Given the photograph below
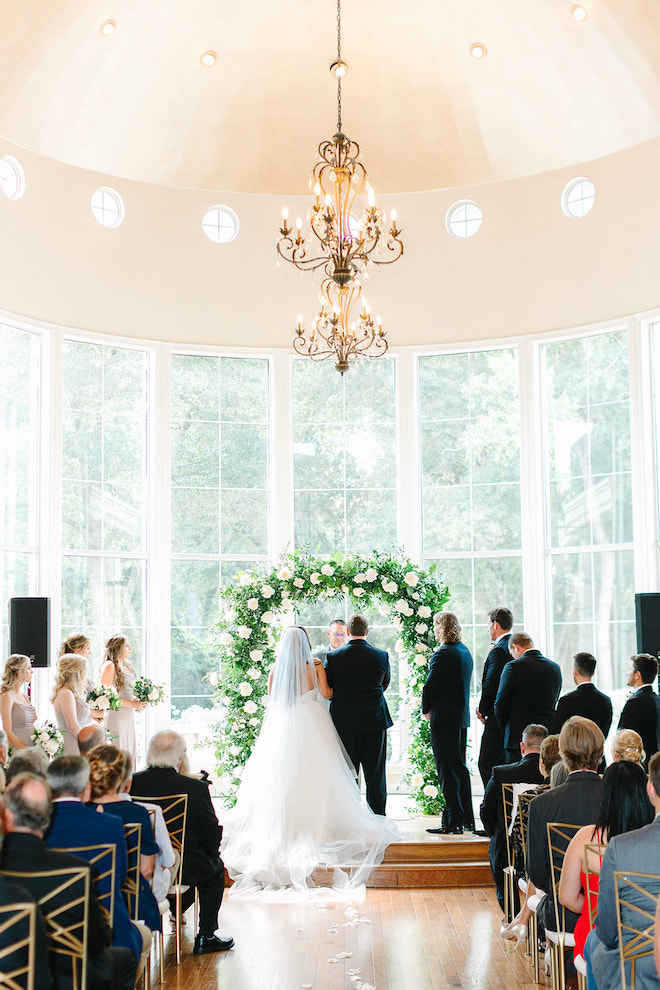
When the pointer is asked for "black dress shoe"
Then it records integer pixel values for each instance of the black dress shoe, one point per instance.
(478, 831)
(446, 831)
(212, 943)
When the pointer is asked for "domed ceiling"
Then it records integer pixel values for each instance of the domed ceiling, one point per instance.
(139, 104)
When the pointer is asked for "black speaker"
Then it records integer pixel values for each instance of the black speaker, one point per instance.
(647, 614)
(29, 629)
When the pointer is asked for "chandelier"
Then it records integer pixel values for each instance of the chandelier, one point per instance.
(343, 245)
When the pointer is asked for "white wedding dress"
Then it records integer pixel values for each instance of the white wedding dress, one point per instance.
(298, 805)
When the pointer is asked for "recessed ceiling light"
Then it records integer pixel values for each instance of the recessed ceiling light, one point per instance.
(108, 28)
(339, 69)
(477, 50)
(578, 12)
(209, 58)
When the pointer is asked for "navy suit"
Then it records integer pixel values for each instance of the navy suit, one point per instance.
(587, 701)
(359, 675)
(73, 825)
(446, 696)
(642, 713)
(491, 751)
(528, 693)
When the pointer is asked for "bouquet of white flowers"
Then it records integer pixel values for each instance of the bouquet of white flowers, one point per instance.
(102, 697)
(145, 690)
(49, 738)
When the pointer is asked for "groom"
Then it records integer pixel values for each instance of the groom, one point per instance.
(358, 675)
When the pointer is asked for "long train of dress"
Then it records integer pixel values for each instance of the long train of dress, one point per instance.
(298, 808)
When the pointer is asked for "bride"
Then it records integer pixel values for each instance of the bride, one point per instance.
(298, 805)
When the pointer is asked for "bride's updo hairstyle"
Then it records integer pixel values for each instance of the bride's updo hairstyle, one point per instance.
(107, 767)
(290, 674)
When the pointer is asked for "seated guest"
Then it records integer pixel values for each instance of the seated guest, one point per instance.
(202, 867)
(106, 771)
(627, 745)
(639, 852)
(73, 825)
(32, 760)
(577, 802)
(26, 809)
(526, 771)
(89, 737)
(625, 807)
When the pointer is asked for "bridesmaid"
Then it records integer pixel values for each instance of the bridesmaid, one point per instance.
(117, 671)
(18, 714)
(69, 699)
(76, 643)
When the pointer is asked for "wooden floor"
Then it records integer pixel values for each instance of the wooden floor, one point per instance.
(405, 939)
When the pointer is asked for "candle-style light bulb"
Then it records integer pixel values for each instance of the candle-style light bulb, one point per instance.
(285, 213)
(299, 223)
(393, 216)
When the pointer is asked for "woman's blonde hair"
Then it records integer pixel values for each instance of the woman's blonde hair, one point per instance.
(14, 665)
(106, 770)
(448, 626)
(627, 744)
(112, 652)
(73, 644)
(71, 672)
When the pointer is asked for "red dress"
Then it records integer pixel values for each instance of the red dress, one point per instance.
(582, 927)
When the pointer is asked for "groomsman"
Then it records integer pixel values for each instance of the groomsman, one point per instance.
(359, 675)
(491, 752)
(528, 692)
(641, 712)
(586, 700)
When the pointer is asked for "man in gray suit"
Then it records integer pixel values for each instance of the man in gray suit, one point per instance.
(638, 851)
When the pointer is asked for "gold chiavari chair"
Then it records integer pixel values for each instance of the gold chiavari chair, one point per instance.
(131, 886)
(67, 938)
(18, 925)
(175, 811)
(509, 870)
(104, 857)
(524, 800)
(636, 903)
(559, 836)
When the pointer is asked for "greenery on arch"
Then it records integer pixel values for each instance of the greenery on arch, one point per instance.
(255, 608)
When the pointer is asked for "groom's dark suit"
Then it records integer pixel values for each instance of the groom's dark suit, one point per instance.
(358, 675)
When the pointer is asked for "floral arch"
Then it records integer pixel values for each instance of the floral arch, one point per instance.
(256, 604)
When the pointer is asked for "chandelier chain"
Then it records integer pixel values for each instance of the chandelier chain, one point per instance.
(339, 61)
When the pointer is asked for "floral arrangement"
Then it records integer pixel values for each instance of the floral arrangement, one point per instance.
(49, 738)
(250, 627)
(145, 690)
(104, 698)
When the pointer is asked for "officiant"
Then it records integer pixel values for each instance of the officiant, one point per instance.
(336, 633)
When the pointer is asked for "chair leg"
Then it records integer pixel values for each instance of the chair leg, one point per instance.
(161, 956)
(178, 924)
(533, 936)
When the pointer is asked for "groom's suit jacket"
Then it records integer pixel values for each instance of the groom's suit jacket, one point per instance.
(359, 674)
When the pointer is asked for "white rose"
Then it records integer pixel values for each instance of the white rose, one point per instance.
(431, 790)
(155, 694)
(230, 615)
(256, 656)
(253, 603)
(284, 574)
(245, 689)
(417, 780)
(213, 679)
(250, 708)
(398, 646)
(412, 579)
(372, 574)
(398, 621)
(391, 587)
(315, 578)
(358, 591)
(328, 570)
(299, 583)
(384, 583)
(416, 595)
(267, 591)
(102, 702)
(421, 628)
(234, 750)
(244, 632)
(52, 747)
(383, 610)
(401, 605)
(330, 593)
(253, 722)
(408, 611)
(245, 580)
(254, 673)
(360, 578)
(420, 659)
(226, 639)
(267, 617)
(421, 647)
(424, 612)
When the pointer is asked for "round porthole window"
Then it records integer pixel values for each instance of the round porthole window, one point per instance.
(578, 198)
(463, 219)
(12, 177)
(108, 207)
(220, 224)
